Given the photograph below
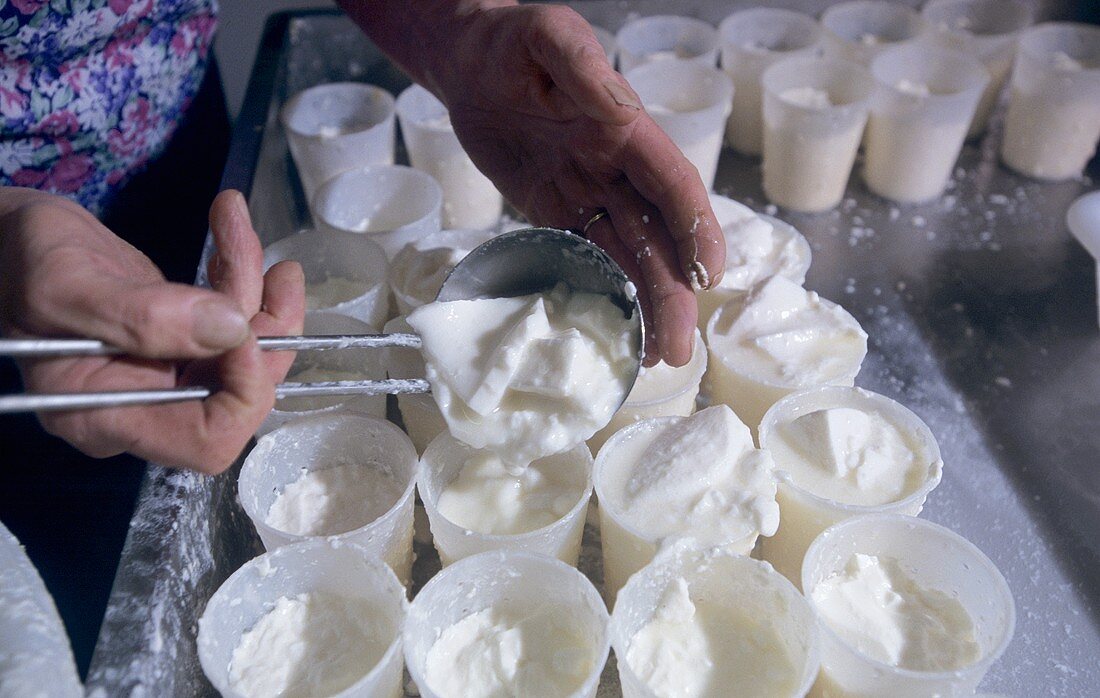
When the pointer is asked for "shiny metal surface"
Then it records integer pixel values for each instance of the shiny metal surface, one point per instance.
(981, 315)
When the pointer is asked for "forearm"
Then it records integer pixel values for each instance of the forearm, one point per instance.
(418, 35)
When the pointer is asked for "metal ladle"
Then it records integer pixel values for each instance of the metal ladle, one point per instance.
(513, 264)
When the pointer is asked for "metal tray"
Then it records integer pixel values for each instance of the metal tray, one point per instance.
(981, 316)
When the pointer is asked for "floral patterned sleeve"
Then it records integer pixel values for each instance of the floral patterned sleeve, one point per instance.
(91, 90)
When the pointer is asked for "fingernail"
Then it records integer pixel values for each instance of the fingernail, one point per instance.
(622, 95)
(240, 203)
(218, 325)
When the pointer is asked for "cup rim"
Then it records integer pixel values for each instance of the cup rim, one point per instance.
(842, 9)
(288, 106)
(755, 15)
(1029, 35)
(689, 385)
(443, 440)
(259, 519)
(855, 70)
(316, 544)
(828, 394)
(929, 529)
(377, 265)
(973, 71)
(707, 31)
(1021, 12)
(720, 96)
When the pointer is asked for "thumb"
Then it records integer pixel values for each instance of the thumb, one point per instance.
(154, 320)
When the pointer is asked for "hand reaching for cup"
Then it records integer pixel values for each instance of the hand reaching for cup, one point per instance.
(538, 108)
(65, 274)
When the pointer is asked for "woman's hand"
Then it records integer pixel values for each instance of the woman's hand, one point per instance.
(541, 112)
(63, 274)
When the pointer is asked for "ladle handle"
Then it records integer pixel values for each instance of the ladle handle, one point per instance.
(34, 347)
(123, 398)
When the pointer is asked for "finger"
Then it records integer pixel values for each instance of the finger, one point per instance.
(568, 50)
(283, 313)
(153, 320)
(662, 175)
(640, 228)
(206, 436)
(236, 268)
(603, 234)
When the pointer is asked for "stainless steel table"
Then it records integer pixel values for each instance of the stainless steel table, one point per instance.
(981, 315)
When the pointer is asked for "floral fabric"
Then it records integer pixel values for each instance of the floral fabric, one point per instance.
(91, 90)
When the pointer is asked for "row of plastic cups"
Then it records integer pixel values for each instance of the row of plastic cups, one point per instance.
(790, 641)
(337, 127)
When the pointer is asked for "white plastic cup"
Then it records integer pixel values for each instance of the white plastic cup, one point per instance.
(803, 515)
(752, 40)
(725, 580)
(328, 566)
(420, 268)
(860, 30)
(936, 558)
(336, 127)
(325, 254)
(625, 548)
(666, 37)
(608, 42)
(661, 391)
(986, 30)
(314, 443)
(1053, 120)
(441, 463)
(913, 141)
(365, 363)
(510, 580)
(470, 200)
(392, 205)
(691, 103)
(808, 153)
(419, 412)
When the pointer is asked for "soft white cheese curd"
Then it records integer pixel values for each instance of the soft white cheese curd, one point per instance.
(489, 497)
(333, 291)
(668, 478)
(333, 500)
(757, 247)
(311, 645)
(504, 652)
(849, 455)
(875, 606)
(807, 97)
(420, 268)
(774, 339)
(528, 376)
(702, 648)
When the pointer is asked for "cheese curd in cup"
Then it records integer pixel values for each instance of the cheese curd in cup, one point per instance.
(419, 269)
(476, 503)
(314, 618)
(507, 623)
(906, 608)
(681, 477)
(527, 376)
(342, 476)
(775, 339)
(659, 391)
(345, 274)
(698, 622)
(757, 246)
(841, 452)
